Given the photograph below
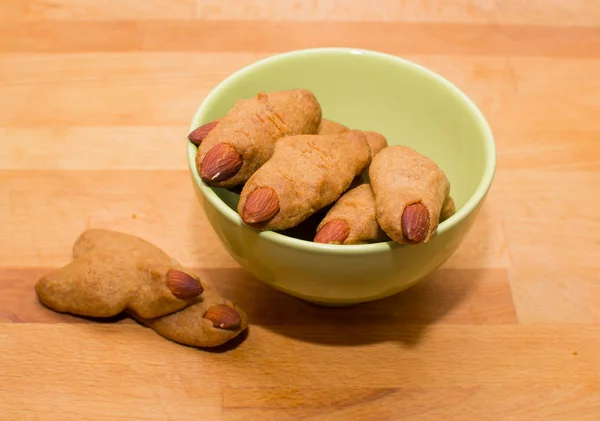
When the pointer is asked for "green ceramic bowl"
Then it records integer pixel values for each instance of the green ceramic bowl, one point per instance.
(365, 90)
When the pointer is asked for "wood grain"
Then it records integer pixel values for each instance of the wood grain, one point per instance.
(38, 207)
(74, 90)
(534, 12)
(42, 10)
(95, 104)
(462, 291)
(268, 36)
(481, 402)
(162, 147)
(554, 368)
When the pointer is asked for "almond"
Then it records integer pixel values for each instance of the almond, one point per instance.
(198, 135)
(223, 317)
(182, 285)
(261, 205)
(333, 232)
(415, 222)
(220, 163)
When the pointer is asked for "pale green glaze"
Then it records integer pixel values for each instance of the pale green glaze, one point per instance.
(366, 90)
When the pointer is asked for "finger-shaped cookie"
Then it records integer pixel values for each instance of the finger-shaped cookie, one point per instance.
(305, 174)
(112, 272)
(331, 127)
(376, 142)
(351, 220)
(211, 321)
(448, 209)
(244, 138)
(409, 191)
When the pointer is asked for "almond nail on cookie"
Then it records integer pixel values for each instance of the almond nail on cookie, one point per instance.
(305, 174)
(351, 220)
(244, 139)
(210, 321)
(409, 190)
(197, 135)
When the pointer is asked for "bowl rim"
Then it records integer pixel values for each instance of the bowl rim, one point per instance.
(355, 249)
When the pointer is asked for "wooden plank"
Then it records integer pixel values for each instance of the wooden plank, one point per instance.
(548, 150)
(517, 402)
(547, 292)
(485, 246)
(552, 231)
(43, 10)
(290, 357)
(523, 98)
(452, 296)
(111, 70)
(545, 227)
(536, 12)
(109, 90)
(553, 245)
(158, 379)
(93, 148)
(101, 372)
(45, 234)
(45, 211)
(162, 147)
(212, 36)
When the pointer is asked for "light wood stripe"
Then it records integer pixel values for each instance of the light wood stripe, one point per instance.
(101, 372)
(69, 10)
(539, 12)
(237, 36)
(536, 12)
(93, 148)
(140, 69)
(546, 290)
(163, 147)
(553, 150)
(160, 205)
(545, 227)
(113, 90)
(113, 198)
(446, 356)
(110, 89)
(63, 203)
(488, 402)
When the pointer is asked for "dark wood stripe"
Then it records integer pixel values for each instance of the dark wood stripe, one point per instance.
(450, 296)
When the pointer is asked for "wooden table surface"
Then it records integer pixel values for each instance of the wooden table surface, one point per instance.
(95, 102)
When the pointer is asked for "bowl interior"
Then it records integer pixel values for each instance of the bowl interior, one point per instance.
(365, 90)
